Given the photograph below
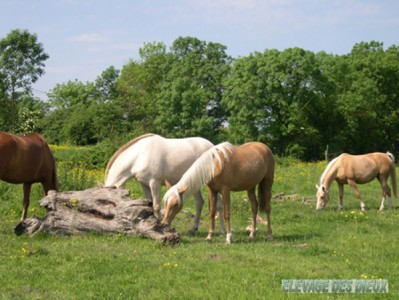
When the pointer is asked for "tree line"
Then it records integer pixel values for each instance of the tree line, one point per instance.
(294, 100)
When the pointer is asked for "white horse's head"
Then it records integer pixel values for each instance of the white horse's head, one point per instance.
(173, 201)
(323, 196)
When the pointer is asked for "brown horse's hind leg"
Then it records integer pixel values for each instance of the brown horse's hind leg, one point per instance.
(357, 194)
(254, 208)
(26, 187)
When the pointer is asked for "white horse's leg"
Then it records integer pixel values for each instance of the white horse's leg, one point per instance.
(199, 203)
(155, 187)
(147, 191)
(219, 208)
(341, 196)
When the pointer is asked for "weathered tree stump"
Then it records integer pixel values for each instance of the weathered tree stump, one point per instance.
(98, 210)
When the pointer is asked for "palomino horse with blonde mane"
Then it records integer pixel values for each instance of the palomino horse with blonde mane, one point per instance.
(226, 168)
(353, 169)
(27, 160)
(154, 160)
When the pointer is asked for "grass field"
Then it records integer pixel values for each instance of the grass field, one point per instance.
(330, 244)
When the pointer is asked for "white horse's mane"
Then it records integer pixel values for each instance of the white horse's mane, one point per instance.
(202, 170)
(122, 149)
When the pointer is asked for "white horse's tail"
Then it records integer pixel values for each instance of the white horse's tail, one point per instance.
(393, 173)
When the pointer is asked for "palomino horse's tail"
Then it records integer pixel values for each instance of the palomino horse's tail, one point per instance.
(264, 194)
(393, 173)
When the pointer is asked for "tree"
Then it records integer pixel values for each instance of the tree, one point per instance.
(85, 113)
(138, 85)
(105, 85)
(107, 121)
(68, 121)
(189, 99)
(368, 100)
(31, 112)
(72, 94)
(21, 64)
(53, 125)
(273, 97)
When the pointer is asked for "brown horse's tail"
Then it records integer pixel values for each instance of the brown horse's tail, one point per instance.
(52, 182)
(393, 173)
(54, 177)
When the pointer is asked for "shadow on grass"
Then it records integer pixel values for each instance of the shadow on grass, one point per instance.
(242, 237)
(296, 237)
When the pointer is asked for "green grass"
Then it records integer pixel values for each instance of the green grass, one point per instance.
(330, 244)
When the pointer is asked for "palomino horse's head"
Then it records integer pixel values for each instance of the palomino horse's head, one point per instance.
(173, 200)
(323, 196)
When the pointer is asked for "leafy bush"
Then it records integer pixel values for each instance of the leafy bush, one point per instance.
(91, 157)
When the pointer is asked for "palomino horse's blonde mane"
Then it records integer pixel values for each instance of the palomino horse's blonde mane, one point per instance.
(202, 170)
(123, 148)
(327, 170)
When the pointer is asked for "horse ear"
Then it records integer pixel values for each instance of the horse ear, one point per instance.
(168, 185)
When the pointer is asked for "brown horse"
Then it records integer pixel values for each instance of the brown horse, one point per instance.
(27, 160)
(226, 168)
(353, 169)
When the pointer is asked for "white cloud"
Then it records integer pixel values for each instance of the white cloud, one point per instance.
(64, 70)
(88, 38)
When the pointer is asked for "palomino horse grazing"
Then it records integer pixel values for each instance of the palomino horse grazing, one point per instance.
(226, 168)
(27, 160)
(153, 160)
(352, 169)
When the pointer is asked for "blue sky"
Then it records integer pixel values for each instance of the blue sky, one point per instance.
(85, 37)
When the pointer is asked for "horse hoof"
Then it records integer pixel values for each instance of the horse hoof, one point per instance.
(229, 238)
(20, 228)
(191, 232)
(209, 238)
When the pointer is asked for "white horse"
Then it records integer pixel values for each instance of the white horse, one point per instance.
(154, 160)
